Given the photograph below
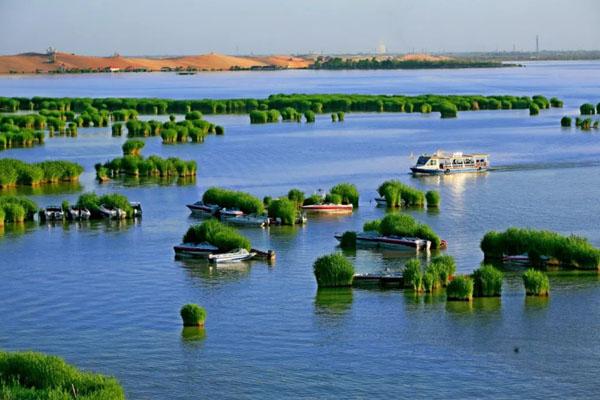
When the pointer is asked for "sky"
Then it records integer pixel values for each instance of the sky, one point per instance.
(174, 27)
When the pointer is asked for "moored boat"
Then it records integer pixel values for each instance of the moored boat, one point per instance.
(391, 242)
(199, 208)
(235, 217)
(447, 163)
(328, 208)
(137, 208)
(232, 256)
(52, 213)
(381, 201)
(112, 212)
(75, 213)
(202, 250)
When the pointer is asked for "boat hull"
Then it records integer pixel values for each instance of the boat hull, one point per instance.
(328, 208)
(391, 242)
(427, 171)
(190, 250)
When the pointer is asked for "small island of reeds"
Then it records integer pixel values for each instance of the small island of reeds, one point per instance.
(333, 270)
(232, 199)
(403, 225)
(542, 247)
(133, 164)
(16, 209)
(211, 231)
(16, 172)
(111, 201)
(28, 375)
(398, 194)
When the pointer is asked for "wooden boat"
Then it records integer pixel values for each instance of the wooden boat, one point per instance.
(232, 256)
(328, 208)
(202, 250)
(392, 242)
(52, 213)
(199, 208)
(445, 163)
(78, 214)
(112, 213)
(235, 218)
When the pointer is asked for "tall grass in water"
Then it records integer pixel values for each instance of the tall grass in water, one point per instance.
(133, 147)
(92, 202)
(412, 275)
(433, 199)
(460, 288)
(16, 172)
(283, 209)
(30, 375)
(17, 209)
(212, 231)
(348, 193)
(348, 240)
(333, 270)
(487, 281)
(404, 225)
(397, 194)
(570, 251)
(233, 199)
(536, 283)
(193, 315)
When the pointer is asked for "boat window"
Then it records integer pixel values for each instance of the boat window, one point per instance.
(422, 160)
(433, 162)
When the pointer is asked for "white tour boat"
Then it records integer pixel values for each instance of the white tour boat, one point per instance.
(446, 163)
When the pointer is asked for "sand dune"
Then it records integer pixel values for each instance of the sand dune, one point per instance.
(36, 62)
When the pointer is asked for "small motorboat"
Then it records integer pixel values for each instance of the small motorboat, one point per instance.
(390, 242)
(75, 213)
(381, 201)
(244, 219)
(199, 208)
(328, 208)
(202, 250)
(112, 213)
(137, 208)
(52, 213)
(232, 256)
(230, 213)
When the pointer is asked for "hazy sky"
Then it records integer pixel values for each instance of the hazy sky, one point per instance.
(159, 27)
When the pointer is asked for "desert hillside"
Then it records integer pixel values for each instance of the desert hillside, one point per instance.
(44, 63)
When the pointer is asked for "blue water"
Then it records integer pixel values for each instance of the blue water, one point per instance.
(106, 296)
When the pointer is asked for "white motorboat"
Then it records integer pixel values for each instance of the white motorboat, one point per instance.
(245, 219)
(199, 208)
(113, 213)
(391, 242)
(232, 256)
(52, 213)
(76, 213)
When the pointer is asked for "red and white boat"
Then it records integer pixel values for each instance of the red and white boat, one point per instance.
(202, 250)
(203, 209)
(391, 242)
(329, 208)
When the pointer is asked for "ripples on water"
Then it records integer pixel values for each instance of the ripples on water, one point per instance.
(107, 296)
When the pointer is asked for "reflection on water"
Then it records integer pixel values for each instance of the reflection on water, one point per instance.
(459, 307)
(128, 181)
(46, 189)
(533, 303)
(332, 301)
(193, 333)
(201, 269)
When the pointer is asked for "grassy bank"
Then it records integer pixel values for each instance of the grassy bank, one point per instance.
(15, 172)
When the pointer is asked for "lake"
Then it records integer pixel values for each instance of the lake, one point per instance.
(106, 296)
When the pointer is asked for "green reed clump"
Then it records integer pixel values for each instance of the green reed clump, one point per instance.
(258, 117)
(487, 281)
(536, 283)
(117, 129)
(309, 116)
(460, 288)
(284, 210)
(212, 231)
(371, 226)
(92, 202)
(333, 270)
(193, 115)
(565, 122)
(555, 102)
(334, 117)
(405, 225)
(17, 209)
(445, 266)
(433, 198)
(193, 315)
(133, 147)
(448, 110)
(412, 275)
(28, 375)
(587, 109)
(232, 199)
(296, 195)
(153, 166)
(398, 194)
(340, 116)
(539, 245)
(534, 109)
(348, 192)
(219, 130)
(348, 240)
(12, 135)
(15, 172)
(290, 114)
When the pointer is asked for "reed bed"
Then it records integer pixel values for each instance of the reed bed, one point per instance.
(398, 194)
(232, 199)
(93, 201)
(28, 375)
(333, 270)
(193, 315)
(15, 172)
(460, 288)
(536, 283)
(487, 281)
(542, 246)
(403, 225)
(212, 231)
